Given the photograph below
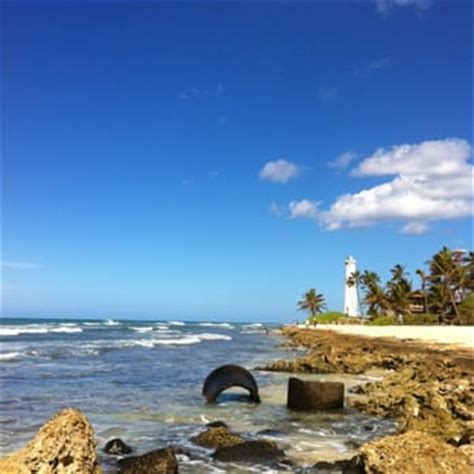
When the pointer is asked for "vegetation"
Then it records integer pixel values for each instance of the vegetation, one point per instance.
(445, 294)
(382, 321)
(312, 303)
(327, 317)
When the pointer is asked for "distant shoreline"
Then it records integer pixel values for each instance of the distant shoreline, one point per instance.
(452, 335)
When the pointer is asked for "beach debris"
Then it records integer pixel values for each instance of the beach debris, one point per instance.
(312, 395)
(65, 444)
(159, 461)
(414, 452)
(216, 437)
(228, 376)
(117, 447)
(257, 451)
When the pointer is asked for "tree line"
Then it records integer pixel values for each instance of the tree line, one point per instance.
(446, 292)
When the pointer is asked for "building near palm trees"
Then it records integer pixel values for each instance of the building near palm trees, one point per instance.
(351, 301)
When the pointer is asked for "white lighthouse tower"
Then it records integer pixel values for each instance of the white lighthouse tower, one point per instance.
(351, 304)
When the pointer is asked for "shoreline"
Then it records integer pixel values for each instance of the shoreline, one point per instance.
(462, 336)
(427, 387)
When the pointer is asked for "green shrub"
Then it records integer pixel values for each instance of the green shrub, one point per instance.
(382, 321)
(421, 319)
(326, 318)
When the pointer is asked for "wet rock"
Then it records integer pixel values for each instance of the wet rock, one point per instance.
(270, 432)
(414, 452)
(250, 451)
(65, 444)
(217, 424)
(159, 461)
(217, 437)
(344, 466)
(117, 447)
(227, 376)
(310, 395)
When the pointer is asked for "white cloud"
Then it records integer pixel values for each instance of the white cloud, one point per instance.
(384, 6)
(327, 94)
(415, 228)
(303, 208)
(343, 161)
(433, 180)
(20, 265)
(280, 171)
(430, 158)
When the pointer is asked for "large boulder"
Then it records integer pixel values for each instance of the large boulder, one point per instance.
(260, 451)
(159, 461)
(414, 452)
(310, 395)
(64, 445)
(217, 437)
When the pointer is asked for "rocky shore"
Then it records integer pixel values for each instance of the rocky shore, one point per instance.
(428, 389)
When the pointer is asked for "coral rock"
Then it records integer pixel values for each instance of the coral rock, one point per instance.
(64, 445)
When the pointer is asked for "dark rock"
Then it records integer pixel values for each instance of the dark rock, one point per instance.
(306, 395)
(117, 447)
(227, 376)
(344, 466)
(159, 461)
(217, 437)
(217, 424)
(467, 437)
(250, 451)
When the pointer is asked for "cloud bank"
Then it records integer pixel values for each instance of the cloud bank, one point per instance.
(431, 181)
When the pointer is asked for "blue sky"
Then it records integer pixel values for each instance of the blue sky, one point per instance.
(215, 160)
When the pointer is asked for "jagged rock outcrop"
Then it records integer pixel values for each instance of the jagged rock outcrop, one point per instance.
(217, 437)
(414, 452)
(64, 445)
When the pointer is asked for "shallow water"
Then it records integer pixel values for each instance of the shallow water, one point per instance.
(142, 381)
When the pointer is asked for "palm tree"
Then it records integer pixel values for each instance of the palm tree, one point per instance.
(312, 302)
(399, 291)
(446, 275)
(375, 297)
(424, 278)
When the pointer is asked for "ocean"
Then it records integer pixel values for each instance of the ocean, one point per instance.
(142, 381)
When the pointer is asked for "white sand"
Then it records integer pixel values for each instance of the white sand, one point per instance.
(459, 335)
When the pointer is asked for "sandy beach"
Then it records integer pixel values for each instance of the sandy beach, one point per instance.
(457, 335)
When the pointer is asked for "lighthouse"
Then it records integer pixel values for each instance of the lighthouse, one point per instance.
(351, 304)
